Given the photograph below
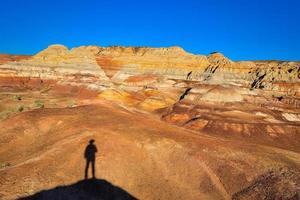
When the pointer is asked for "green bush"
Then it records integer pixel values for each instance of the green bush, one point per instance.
(21, 108)
(71, 103)
(39, 104)
(3, 165)
(18, 97)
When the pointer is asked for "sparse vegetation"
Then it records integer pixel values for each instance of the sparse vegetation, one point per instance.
(71, 103)
(10, 111)
(46, 89)
(3, 165)
(21, 108)
(39, 103)
(18, 97)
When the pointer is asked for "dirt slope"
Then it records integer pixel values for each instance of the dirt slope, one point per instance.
(149, 160)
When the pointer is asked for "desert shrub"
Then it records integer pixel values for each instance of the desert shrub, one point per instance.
(71, 103)
(46, 89)
(39, 104)
(21, 108)
(3, 165)
(18, 97)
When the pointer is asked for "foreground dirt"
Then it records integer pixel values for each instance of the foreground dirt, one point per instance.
(149, 160)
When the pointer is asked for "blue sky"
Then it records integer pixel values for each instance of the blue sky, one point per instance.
(240, 29)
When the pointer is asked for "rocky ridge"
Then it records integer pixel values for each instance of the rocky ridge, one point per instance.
(116, 64)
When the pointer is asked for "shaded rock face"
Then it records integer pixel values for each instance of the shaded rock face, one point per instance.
(167, 125)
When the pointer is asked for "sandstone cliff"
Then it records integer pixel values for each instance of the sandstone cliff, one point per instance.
(117, 64)
(75, 66)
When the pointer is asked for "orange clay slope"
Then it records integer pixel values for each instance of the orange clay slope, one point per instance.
(144, 156)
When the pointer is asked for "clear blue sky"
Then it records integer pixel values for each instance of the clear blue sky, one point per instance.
(240, 29)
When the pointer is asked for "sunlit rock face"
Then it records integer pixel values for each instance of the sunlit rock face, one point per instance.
(5, 58)
(164, 79)
(168, 124)
(76, 66)
(100, 66)
(174, 63)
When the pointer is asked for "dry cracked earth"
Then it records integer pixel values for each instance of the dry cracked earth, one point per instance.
(167, 125)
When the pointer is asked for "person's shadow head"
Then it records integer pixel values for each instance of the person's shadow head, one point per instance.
(90, 156)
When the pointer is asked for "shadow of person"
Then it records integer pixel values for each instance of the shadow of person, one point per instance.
(90, 156)
(92, 189)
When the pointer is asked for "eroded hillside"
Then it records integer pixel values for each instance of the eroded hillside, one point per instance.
(168, 124)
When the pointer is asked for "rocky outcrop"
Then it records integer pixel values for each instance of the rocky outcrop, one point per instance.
(100, 66)
(76, 66)
(237, 113)
(123, 62)
(5, 58)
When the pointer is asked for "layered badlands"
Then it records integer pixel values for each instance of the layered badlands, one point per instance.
(168, 124)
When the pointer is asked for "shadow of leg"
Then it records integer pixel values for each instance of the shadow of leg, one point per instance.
(93, 168)
(86, 169)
